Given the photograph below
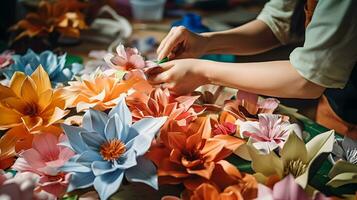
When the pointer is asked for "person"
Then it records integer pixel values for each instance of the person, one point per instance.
(324, 67)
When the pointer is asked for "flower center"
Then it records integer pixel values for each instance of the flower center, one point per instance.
(295, 167)
(31, 110)
(112, 150)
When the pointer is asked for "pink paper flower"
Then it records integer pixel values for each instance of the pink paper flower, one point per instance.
(44, 159)
(6, 59)
(286, 189)
(269, 133)
(125, 59)
(247, 106)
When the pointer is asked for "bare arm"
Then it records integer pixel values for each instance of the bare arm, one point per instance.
(276, 78)
(251, 38)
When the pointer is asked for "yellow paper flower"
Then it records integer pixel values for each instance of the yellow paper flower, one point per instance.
(101, 92)
(31, 102)
(295, 158)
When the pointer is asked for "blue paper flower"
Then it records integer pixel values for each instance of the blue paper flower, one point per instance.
(109, 147)
(54, 65)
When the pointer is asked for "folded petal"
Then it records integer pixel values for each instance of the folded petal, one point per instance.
(94, 120)
(122, 111)
(93, 140)
(144, 172)
(107, 184)
(74, 138)
(102, 167)
(80, 180)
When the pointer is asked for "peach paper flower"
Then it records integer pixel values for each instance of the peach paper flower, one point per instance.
(101, 92)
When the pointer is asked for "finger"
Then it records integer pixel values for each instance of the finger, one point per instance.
(159, 78)
(172, 42)
(163, 42)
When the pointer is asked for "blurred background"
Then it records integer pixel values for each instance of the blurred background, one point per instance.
(90, 28)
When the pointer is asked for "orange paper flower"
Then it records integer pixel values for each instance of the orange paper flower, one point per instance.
(186, 157)
(62, 16)
(7, 151)
(101, 92)
(31, 102)
(161, 103)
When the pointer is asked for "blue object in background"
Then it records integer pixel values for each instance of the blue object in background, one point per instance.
(193, 22)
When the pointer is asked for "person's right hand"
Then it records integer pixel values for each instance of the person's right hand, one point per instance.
(182, 43)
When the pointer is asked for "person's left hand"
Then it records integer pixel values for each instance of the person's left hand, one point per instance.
(179, 76)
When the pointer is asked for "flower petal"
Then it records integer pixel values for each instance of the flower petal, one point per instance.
(289, 152)
(95, 121)
(93, 140)
(122, 111)
(144, 172)
(75, 167)
(80, 180)
(102, 167)
(74, 138)
(107, 184)
(289, 189)
(41, 79)
(147, 129)
(114, 129)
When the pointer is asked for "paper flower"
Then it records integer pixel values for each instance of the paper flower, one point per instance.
(63, 17)
(295, 157)
(130, 60)
(125, 59)
(7, 151)
(224, 125)
(109, 147)
(44, 159)
(212, 97)
(286, 189)
(247, 106)
(269, 133)
(55, 66)
(160, 103)
(344, 149)
(188, 158)
(101, 92)
(30, 101)
(6, 59)
(344, 159)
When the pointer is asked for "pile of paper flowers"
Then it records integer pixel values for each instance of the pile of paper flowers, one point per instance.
(65, 134)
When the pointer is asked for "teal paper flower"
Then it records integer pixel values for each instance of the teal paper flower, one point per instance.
(109, 147)
(55, 66)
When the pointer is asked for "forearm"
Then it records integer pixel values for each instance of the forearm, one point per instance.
(251, 38)
(277, 78)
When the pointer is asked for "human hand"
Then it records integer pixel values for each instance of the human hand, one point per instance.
(182, 43)
(179, 76)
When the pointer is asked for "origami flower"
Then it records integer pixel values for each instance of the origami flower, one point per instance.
(6, 59)
(269, 133)
(63, 17)
(30, 101)
(188, 158)
(247, 106)
(344, 159)
(160, 103)
(7, 151)
(295, 158)
(286, 189)
(44, 159)
(109, 147)
(212, 97)
(224, 125)
(100, 92)
(130, 60)
(55, 66)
